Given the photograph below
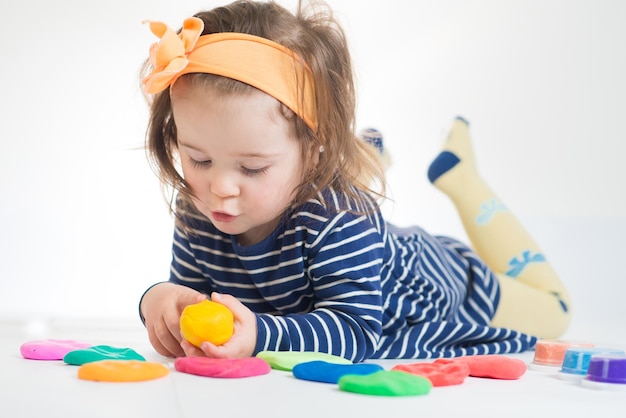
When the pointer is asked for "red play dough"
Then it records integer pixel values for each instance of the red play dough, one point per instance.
(440, 373)
(226, 367)
(494, 366)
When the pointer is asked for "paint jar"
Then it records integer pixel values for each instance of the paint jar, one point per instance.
(549, 354)
(606, 372)
(576, 361)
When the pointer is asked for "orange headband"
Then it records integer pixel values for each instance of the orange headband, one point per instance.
(256, 61)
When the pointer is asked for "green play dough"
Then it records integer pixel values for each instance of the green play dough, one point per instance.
(386, 383)
(286, 360)
(101, 352)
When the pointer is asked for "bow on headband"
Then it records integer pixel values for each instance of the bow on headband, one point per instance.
(253, 60)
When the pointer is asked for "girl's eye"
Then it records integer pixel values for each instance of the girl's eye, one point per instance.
(253, 171)
(199, 164)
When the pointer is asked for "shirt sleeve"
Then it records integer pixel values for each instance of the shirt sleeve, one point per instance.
(344, 265)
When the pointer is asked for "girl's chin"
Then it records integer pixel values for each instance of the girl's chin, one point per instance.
(226, 228)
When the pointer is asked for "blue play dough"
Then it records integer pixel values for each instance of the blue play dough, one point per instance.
(325, 372)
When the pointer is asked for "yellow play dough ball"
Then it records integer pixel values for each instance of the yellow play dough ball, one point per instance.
(206, 321)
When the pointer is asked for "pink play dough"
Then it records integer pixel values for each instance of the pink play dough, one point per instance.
(226, 367)
(50, 349)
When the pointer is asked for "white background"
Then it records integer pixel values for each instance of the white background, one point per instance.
(83, 225)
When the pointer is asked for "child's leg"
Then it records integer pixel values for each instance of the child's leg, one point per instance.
(533, 299)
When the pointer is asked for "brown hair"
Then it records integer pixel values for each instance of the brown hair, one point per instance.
(346, 162)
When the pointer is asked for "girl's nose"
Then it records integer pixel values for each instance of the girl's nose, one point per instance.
(223, 184)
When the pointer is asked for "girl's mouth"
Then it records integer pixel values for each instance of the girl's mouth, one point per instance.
(223, 217)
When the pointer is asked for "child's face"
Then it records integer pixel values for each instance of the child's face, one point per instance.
(238, 157)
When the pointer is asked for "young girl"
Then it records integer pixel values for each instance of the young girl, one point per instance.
(252, 125)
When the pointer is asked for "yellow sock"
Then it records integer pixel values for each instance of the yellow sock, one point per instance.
(533, 299)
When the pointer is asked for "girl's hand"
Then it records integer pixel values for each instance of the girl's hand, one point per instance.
(161, 307)
(243, 341)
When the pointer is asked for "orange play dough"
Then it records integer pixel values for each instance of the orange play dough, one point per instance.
(207, 321)
(121, 371)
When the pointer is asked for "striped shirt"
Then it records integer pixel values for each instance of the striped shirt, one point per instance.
(334, 277)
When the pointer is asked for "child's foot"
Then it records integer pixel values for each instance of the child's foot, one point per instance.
(456, 162)
(375, 138)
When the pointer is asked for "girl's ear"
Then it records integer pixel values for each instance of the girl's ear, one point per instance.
(313, 156)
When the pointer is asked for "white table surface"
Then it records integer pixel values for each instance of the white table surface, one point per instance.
(31, 388)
